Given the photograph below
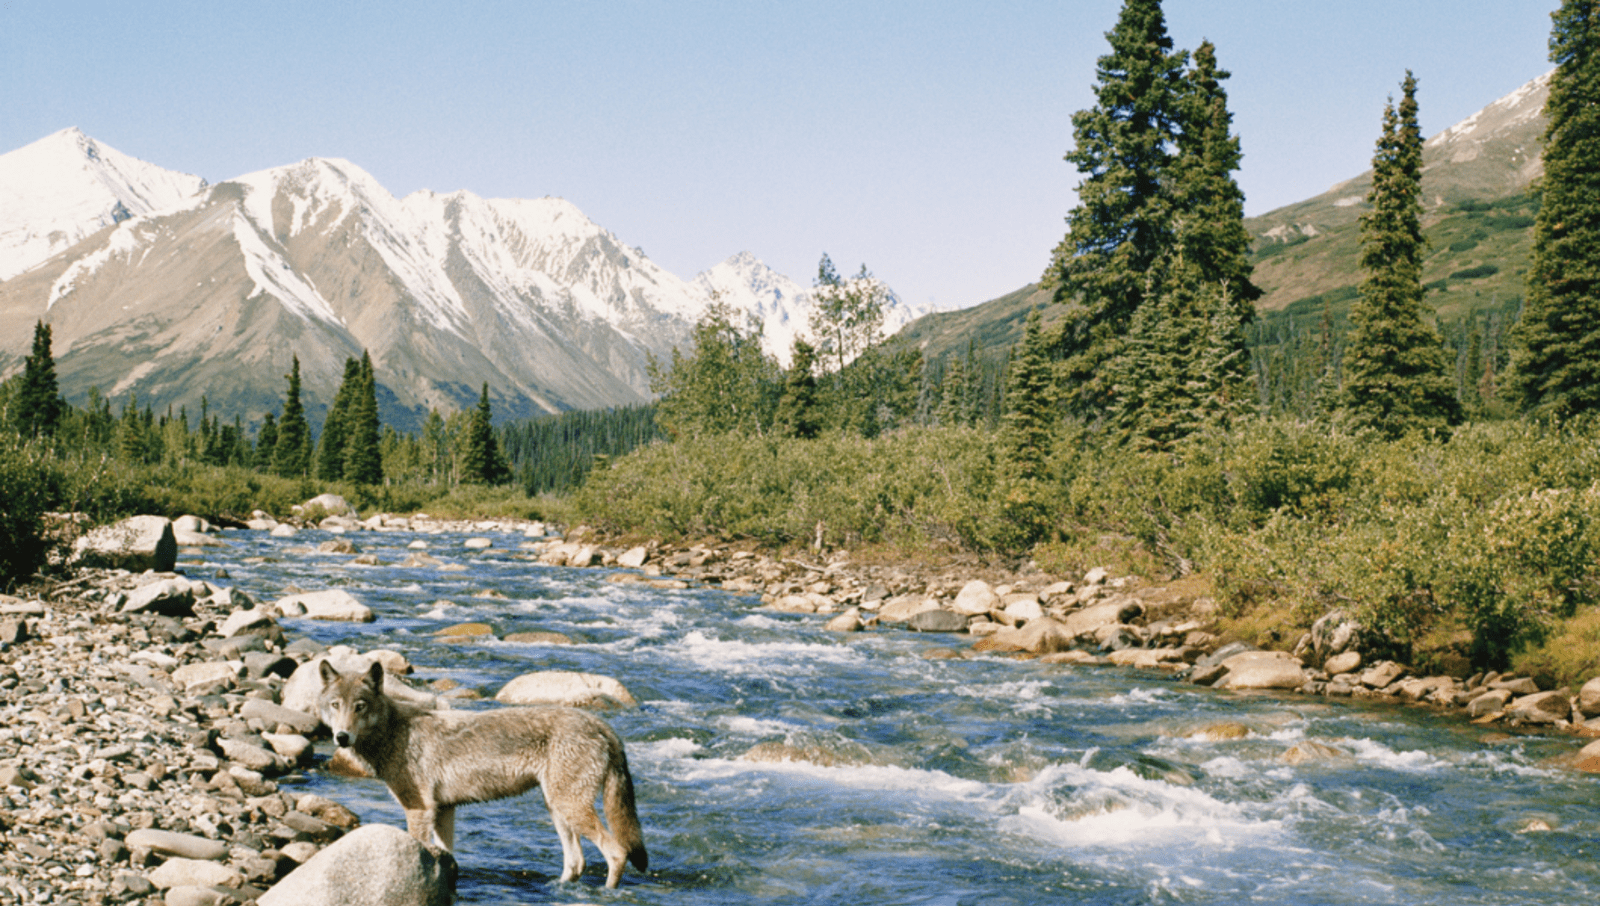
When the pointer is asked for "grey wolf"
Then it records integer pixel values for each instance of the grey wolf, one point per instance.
(434, 761)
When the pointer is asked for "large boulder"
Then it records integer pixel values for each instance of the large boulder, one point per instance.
(168, 597)
(561, 687)
(375, 865)
(1045, 635)
(331, 604)
(974, 598)
(330, 505)
(135, 544)
(1087, 621)
(1262, 670)
(1333, 634)
(1589, 698)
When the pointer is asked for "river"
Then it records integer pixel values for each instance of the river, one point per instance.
(945, 781)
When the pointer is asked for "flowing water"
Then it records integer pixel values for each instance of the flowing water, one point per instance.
(979, 780)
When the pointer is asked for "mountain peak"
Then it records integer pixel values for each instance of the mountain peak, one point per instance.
(65, 186)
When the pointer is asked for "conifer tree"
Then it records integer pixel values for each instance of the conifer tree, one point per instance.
(266, 443)
(481, 461)
(363, 457)
(1122, 225)
(1208, 206)
(38, 401)
(291, 454)
(1395, 374)
(1029, 410)
(1555, 365)
(331, 445)
(797, 414)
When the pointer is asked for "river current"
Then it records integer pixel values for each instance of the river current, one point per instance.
(944, 781)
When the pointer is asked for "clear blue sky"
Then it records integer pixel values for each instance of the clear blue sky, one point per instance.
(923, 139)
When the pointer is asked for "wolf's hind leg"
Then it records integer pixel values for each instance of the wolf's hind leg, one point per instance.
(571, 843)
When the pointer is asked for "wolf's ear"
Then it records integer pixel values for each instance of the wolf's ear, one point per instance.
(330, 674)
(375, 676)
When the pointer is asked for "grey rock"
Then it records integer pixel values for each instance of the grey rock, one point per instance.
(168, 597)
(171, 843)
(376, 865)
(135, 544)
(938, 621)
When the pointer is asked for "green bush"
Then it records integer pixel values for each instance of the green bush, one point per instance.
(30, 486)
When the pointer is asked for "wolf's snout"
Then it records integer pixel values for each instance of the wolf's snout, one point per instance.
(341, 739)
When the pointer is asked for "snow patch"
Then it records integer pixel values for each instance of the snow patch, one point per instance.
(274, 277)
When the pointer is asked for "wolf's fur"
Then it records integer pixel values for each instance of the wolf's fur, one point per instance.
(436, 760)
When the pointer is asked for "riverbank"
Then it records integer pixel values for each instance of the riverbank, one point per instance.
(138, 703)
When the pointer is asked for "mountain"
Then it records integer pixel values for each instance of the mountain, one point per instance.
(1478, 216)
(66, 186)
(161, 286)
(780, 305)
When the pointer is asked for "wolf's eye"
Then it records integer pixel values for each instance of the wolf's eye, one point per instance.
(361, 706)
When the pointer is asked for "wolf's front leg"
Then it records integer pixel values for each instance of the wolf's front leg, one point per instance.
(423, 823)
(444, 826)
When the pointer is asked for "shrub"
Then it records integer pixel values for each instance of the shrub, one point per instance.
(30, 486)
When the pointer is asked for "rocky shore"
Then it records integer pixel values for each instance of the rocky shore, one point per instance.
(151, 720)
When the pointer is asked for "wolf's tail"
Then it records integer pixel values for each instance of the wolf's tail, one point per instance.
(621, 814)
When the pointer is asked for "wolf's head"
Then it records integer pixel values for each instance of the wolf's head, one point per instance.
(350, 702)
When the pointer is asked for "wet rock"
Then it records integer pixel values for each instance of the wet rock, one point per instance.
(338, 546)
(1542, 707)
(938, 621)
(540, 637)
(1589, 758)
(1310, 750)
(633, 558)
(376, 865)
(1042, 636)
(135, 544)
(903, 607)
(1262, 670)
(1221, 732)
(1071, 657)
(849, 621)
(284, 530)
(560, 687)
(477, 544)
(1488, 703)
(332, 604)
(465, 632)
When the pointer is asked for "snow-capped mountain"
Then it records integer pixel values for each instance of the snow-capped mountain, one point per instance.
(780, 305)
(65, 186)
(183, 290)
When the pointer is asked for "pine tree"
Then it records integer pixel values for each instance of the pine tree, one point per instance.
(1395, 376)
(38, 401)
(1555, 366)
(266, 443)
(363, 458)
(797, 414)
(1122, 225)
(291, 454)
(331, 445)
(481, 462)
(1208, 206)
(1029, 411)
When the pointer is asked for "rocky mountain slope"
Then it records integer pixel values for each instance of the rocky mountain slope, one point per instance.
(159, 285)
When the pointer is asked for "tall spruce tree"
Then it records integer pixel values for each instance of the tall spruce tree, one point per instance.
(1030, 414)
(38, 399)
(481, 460)
(331, 444)
(1556, 353)
(797, 414)
(1208, 206)
(1122, 225)
(291, 454)
(1396, 379)
(363, 457)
